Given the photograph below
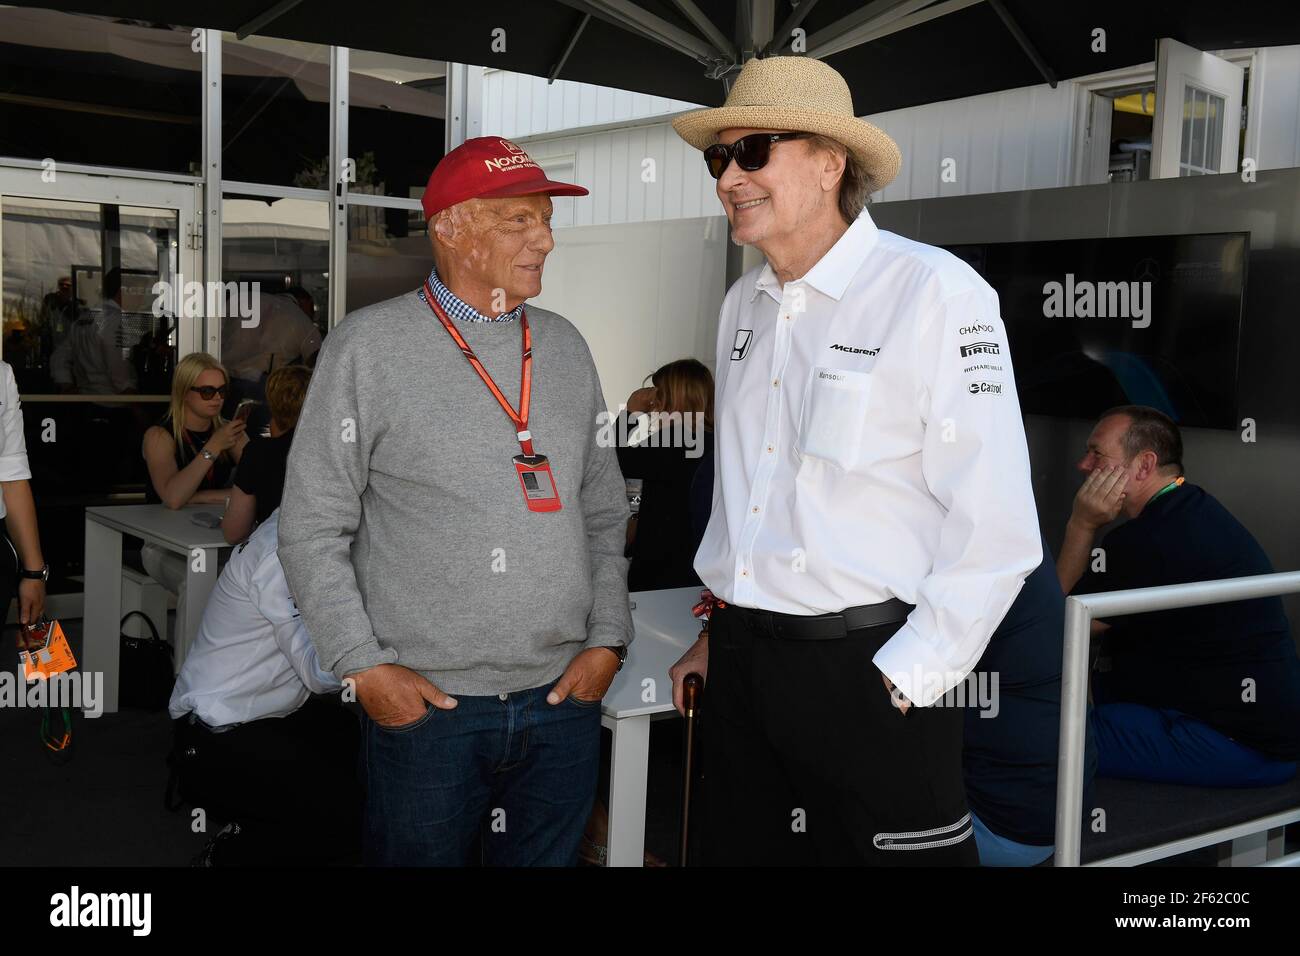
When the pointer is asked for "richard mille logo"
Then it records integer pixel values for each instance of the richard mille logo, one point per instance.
(856, 351)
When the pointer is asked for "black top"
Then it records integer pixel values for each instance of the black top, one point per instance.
(218, 475)
(663, 553)
(261, 471)
(1203, 660)
(1010, 760)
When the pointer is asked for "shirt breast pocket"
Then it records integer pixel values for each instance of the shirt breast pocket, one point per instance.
(834, 409)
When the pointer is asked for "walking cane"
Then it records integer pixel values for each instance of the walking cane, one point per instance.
(691, 687)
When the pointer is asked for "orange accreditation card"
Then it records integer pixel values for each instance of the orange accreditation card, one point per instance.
(53, 656)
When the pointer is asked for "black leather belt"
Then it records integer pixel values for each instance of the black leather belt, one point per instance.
(822, 627)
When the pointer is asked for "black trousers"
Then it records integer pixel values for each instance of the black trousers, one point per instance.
(289, 782)
(808, 762)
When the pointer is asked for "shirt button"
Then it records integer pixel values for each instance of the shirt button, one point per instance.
(502, 696)
(744, 574)
(756, 510)
(770, 448)
(776, 382)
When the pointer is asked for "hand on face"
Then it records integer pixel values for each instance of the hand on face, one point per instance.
(1101, 497)
(642, 400)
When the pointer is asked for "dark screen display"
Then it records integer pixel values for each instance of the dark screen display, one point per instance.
(1094, 323)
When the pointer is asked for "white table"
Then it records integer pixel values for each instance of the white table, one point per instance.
(664, 629)
(173, 530)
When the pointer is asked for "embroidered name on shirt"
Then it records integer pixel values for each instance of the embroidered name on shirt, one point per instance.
(856, 351)
(980, 348)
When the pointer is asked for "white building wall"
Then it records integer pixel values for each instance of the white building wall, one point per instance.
(1012, 140)
(997, 142)
(518, 105)
(638, 174)
(642, 294)
(1277, 107)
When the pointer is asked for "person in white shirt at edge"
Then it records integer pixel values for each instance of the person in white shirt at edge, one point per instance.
(254, 748)
(872, 516)
(22, 569)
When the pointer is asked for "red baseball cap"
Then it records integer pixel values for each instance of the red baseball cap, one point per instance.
(485, 168)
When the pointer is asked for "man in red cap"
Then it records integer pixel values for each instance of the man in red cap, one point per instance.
(453, 535)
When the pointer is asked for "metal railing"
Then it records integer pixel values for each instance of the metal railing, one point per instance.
(1080, 611)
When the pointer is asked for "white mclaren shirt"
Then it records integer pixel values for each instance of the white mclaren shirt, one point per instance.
(252, 657)
(870, 446)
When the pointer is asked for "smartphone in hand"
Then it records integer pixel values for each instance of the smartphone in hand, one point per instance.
(244, 409)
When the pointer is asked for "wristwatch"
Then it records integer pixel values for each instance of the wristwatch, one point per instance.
(42, 575)
(620, 651)
(207, 455)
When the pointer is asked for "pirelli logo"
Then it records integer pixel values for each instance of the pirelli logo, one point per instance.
(980, 348)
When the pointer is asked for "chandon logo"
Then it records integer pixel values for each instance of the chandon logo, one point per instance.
(856, 351)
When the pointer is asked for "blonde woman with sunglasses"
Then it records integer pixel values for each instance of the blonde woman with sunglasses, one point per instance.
(191, 455)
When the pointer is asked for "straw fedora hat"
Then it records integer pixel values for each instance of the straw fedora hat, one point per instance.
(798, 94)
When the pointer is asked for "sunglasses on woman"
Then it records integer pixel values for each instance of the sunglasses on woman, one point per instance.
(209, 392)
(750, 152)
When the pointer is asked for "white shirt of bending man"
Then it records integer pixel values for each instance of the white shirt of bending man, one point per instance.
(253, 657)
(870, 442)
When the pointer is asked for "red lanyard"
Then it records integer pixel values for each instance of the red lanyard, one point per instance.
(520, 418)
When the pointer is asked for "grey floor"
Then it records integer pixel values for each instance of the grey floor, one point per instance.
(105, 806)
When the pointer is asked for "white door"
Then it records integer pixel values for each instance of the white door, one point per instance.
(61, 236)
(92, 344)
(1198, 119)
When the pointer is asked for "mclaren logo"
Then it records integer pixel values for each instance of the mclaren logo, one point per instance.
(980, 348)
(985, 388)
(856, 351)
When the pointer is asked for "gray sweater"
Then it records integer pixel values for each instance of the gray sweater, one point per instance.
(403, 530)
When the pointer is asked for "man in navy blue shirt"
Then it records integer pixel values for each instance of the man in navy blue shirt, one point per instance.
(1206, 695)
(1011, 749)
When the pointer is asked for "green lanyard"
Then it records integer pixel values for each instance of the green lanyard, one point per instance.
(1169, 487)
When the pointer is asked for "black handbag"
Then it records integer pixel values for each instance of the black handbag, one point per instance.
(145, 666)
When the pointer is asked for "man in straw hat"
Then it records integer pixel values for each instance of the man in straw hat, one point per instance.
(453, 533)
(872, 516)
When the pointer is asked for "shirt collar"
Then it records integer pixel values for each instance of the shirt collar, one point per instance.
(836, 269)
(457, 308)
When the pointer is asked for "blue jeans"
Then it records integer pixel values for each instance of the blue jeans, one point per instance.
(516, 772)
(1137, 742)
(1002, 851)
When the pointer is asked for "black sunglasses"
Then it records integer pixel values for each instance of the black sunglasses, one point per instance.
(750, 152)
(209, 392)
